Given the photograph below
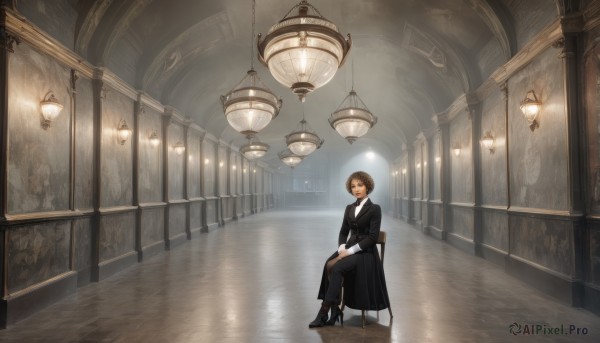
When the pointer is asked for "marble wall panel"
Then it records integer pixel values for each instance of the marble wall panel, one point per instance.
(223, 171)
(538, 160)
(594, 268)
(494, 229)
(462, 222)
(117, 235)
(210, 163)
(152, 226)
(436, 215)
(84, 147)
(83, 243)
(150, 178)
(193, 165)
(493, 164)
(38, 159)
(461, 166)
(177, 219)
(417, 168)
(543, 241)
(246, 176)
(196, 215)
(116, 171)
(436, 182)
(211, 212)
(176, 163)
(37, 253)
(592, 108)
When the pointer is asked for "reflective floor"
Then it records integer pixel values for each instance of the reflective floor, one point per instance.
(256, 280)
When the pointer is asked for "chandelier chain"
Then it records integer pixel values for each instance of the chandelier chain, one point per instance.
(252, 37)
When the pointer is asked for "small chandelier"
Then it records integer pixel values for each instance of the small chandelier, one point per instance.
(303, 52)
(303, 141)
(250, 106)
(352, 119)
(530, 106)
(154, 139)
(254, 148)
(50, 109)
(289, 158)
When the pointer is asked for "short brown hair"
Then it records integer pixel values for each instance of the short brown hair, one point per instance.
(365, 178)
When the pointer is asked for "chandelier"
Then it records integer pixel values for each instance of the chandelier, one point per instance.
(250, 106)
(254, 148)
(352, 119)
(303, 52)
(289, 158)
(303, 141)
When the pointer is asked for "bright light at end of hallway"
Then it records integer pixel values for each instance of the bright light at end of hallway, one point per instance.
(370, 155)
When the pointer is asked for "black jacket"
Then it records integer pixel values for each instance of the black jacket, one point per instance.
(364, 288)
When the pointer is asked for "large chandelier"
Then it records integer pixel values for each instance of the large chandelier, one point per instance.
(303, 141)
(289, 158)
(250, 106)
(254, 148)
(352, 119)
(303, 52)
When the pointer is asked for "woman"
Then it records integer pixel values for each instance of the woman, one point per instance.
(356, 262)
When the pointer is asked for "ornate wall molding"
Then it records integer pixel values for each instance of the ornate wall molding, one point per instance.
(23, 30)
(537, 45)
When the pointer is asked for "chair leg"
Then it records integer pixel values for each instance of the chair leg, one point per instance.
(390, 309)
(364, 318)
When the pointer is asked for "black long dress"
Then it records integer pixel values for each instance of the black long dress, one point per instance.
(365, 287)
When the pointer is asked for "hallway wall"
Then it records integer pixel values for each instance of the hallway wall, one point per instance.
(522, 205)
(79, 205)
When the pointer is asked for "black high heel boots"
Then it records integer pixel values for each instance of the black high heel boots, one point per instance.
(336, 316)
(321, 319)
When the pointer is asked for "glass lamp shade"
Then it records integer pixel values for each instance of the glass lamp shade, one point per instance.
(303, 52)
(179, 148)
(488, 141)
(253, 150)
(50, 108)
(530, 106)
(250, 106)
(289, 158)
(154, 140)
(352, 119)
(302, 141)
(123, 132)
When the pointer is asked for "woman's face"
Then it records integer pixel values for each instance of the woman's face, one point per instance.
(359, 190)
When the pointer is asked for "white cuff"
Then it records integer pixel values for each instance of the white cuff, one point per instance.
(341, 248)
(353, 249)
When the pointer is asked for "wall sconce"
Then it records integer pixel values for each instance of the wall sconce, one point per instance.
(488, 142)
(206, 161)
(404, 171)
(245, 170)
(233, 167)
(530, 106)
(456, 149)
(254, 171)
(179, 148)
(123, 132)
(419, 165)
(154, 140)
(221, 164)
(50, 109)
(438, 159)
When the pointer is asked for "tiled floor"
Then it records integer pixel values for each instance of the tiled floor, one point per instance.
(256, 280)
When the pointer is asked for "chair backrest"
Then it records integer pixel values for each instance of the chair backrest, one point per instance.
(381, 240)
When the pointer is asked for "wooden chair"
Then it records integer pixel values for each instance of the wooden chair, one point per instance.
(381, 241)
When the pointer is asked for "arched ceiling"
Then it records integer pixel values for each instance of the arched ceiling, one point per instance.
(410, 59)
